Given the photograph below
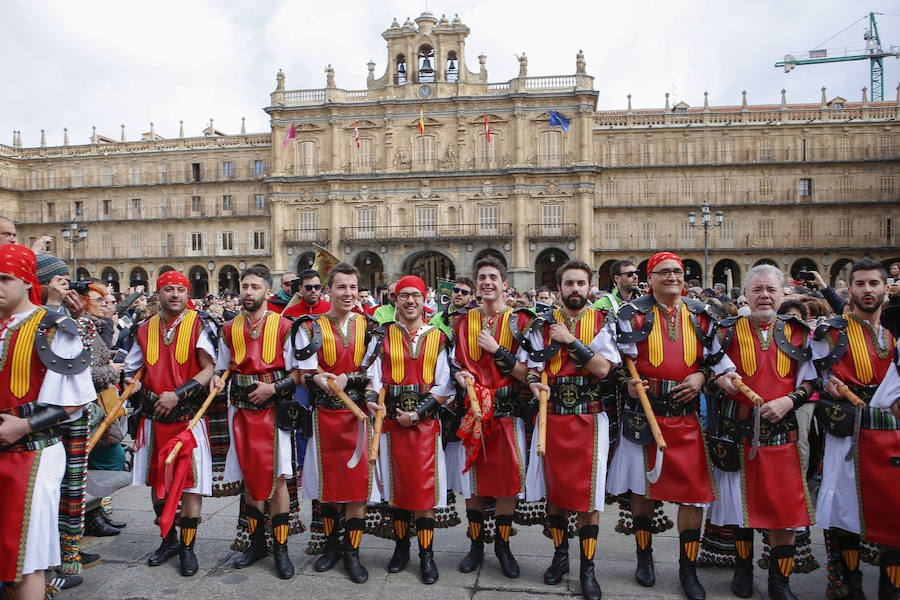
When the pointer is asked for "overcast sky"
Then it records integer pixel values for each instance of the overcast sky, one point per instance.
(78, 64)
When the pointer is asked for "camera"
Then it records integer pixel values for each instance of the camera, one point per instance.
(295, 286)
(81, 287)
(805, 275)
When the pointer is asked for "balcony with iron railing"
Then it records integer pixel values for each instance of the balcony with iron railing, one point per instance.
(305, 237)
(59, 180)
(429, 232)
(749, 242)
(551, 232)
(97, 250)
(789, 197)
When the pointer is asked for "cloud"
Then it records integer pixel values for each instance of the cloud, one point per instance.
(104, 63)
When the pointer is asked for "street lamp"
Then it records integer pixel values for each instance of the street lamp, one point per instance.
(75, 234)
(705, 217)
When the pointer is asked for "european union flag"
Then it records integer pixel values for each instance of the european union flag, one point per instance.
(558, 119)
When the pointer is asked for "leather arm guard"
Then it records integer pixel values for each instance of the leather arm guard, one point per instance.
(186, 389)
(580, 353)
(428, 408)
(310, 382)
(371, 396)
(532, 377)
(504, 360)
(356, 380)
(285, 385)
(47, 416)
(799, 396)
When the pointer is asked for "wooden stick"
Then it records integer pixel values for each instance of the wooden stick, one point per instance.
(645, 404)
(474, 404)
(219, 387)
(745, 390)
(846, 393)
(357, 412)
(109, 418)
(542, 417)
(376, 429)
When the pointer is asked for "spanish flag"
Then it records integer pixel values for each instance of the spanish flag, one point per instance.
(421, 120)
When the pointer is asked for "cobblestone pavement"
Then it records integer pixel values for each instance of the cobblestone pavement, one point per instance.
(124, 574)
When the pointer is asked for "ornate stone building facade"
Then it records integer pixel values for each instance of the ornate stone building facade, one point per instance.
(402, 177)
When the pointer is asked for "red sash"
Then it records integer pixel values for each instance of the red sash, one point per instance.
(773, 486)
(256, 445)
(879, 495)
(504, 474)
(414, 468)
(336, 432)
(161, 435)
(686, 468)
(17, 473)
(569, 461)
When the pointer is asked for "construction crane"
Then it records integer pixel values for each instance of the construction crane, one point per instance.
(873, 52)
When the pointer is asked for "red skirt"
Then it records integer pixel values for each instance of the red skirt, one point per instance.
(414, 465)
(686, 473)
(256, 445)
(336, 433)
(17, 472)
(161, 434)
(879, 495)
(775, 497)
(569, 461)
(499, 470)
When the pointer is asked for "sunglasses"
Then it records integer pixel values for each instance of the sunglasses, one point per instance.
(312, 286)
(628, 273)
(461, 291)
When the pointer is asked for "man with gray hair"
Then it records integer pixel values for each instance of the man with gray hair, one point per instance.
(758, 469)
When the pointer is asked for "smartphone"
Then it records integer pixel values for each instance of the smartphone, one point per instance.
(121, 353)
(890, 281)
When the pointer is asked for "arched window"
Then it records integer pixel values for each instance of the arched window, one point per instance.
(453, 67)
(426, 63)
(400, 77)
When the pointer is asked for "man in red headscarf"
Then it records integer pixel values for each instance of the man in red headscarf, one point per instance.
(668, 337)
(177, 354)
(411, 362)
(42, 384)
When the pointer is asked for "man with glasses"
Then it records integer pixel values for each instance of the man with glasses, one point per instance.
(668, 338)
(459, 300)
(279, 301)
(311, 302)
(625, 278)
(411, 362)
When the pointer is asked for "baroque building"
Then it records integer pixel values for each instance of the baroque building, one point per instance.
(433, 166)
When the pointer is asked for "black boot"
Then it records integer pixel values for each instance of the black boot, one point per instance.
(425, 533)
(280, 527)
(352, 538)
(889, 577)
(109, 520)
(687, 564)
(332, 551)
(187, 559)
(474, 557)
(169, 546)
(848, 549)
(256, 524)
(590, 589)
(95, 525)
(401, 550)
(781, 561)
(559, 566)
(508, 563)
(742, 580)
(644, 573)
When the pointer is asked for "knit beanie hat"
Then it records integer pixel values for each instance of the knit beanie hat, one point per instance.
(48, 266)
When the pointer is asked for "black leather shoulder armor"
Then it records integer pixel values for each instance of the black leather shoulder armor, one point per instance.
(784, 344)
(520, 336)
(315, 340)
(57, 364)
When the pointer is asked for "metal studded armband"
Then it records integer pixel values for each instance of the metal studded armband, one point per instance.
(504, 360)
(579, 352)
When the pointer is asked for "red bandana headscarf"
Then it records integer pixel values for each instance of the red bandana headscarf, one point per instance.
(20, 262)
(174, 278)
(411, 281)
(661, 256)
